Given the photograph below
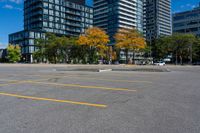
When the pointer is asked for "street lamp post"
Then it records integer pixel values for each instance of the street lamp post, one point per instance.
(191, 53)
(150, 45)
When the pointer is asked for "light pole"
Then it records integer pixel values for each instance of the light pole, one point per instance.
(150, 43)
(191, 53)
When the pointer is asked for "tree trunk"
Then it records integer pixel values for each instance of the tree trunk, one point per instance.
(126, 51)
(90, 56)
(181, 60)
(102, 60)
(110, 55)
(133, 60)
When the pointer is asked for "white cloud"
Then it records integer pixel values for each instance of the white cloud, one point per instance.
(8, 6)
(193, 6)
(3, 45)
(188, 6)
(185, 7)
(13, 1)
(16, 1)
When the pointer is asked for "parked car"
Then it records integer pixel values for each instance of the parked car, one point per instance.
(142, 63)
(196, 63)
(160, 63)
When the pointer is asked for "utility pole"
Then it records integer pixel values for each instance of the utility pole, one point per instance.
(191, 45)
(191, 54)
(150, 45)
(176, 57)
(110, 54)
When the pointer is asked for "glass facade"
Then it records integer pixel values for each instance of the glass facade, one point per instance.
(112, 15)
(62, 17)
(57, 16)
(158, 18)
(26, 40)
(3, 53)
(187, 22)
(140, 16)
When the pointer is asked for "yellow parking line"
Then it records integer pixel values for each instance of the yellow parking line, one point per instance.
(112, 80)
(70, 85)
(3, 84)
(12, 82)
(129, 75)
(116, 80)
(53, 100)
(81, 86)
(8, 80)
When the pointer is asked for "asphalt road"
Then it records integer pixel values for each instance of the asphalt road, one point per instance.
(40, 99)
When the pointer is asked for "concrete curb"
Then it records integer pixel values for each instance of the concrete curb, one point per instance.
(105, 70)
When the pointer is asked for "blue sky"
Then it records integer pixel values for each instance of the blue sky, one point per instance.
(11, 15)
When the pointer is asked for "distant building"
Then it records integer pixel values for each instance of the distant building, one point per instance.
(111, 15)
(62, 17)
(150, 17)
(26, 39)
(158, 20)
(187, 22)
(3, 53)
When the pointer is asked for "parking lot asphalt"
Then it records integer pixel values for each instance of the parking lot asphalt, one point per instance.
(50, 99)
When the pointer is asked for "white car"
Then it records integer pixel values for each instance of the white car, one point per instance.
(160, 63)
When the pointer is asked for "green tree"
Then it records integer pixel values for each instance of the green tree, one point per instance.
(66, 47)
(196, 50)
(179, 44)
(55, 49)
(79, 54)
(51, 49)
(58, 48)
(40, 54)
(162, 47)
(13, 53)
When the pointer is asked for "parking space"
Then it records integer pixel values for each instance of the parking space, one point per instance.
(45, 100)
(46, 84)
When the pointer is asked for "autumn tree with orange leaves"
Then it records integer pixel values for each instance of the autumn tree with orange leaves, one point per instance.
(96, 40)
(129, 40)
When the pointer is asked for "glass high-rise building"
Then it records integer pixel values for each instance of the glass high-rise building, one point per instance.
(158, 20)
(187, 21)
(62, 17)
(150, 17)
(112, 15)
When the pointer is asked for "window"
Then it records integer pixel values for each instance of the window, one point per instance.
(45, 5)
(51, 12)
(45, 11)
(31, 34)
